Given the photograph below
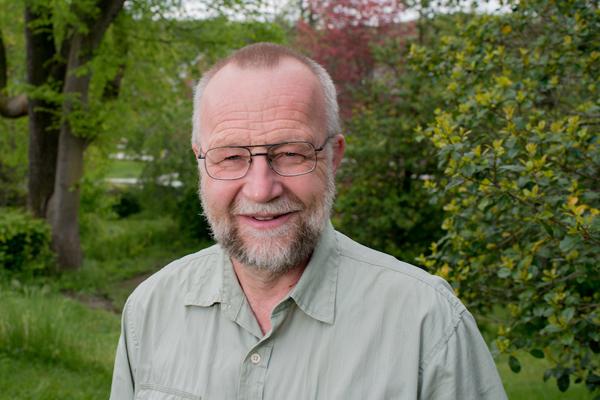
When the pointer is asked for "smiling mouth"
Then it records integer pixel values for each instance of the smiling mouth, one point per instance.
(268, 217)
(265, 218)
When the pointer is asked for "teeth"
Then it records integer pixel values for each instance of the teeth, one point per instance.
(264, 218)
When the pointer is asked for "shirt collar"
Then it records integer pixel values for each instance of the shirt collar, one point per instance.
(314, 293)
(207, 283)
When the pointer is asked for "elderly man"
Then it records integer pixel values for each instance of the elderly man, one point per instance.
(285, 307)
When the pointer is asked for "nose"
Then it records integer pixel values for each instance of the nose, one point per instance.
(261, 183)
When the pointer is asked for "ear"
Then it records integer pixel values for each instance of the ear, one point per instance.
(339, 146)
(196, 149)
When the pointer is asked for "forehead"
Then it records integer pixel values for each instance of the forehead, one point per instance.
(258, 105)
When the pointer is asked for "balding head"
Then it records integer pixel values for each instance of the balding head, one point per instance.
(268, 56)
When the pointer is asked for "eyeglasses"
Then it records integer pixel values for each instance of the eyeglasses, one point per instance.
(285, 159)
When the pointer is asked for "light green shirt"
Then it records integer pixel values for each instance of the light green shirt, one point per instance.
(358, 325)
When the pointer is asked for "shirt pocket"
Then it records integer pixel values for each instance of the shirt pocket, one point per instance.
(149, 391)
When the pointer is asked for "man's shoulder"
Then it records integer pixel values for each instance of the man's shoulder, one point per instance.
(180, 276)
(407, 298)
(392, 275)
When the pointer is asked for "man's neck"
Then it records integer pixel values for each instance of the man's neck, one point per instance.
(264, 290)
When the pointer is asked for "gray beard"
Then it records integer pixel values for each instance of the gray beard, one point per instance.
(279, 250)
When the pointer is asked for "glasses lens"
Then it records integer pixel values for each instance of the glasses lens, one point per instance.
(291, 159)
(227, 162)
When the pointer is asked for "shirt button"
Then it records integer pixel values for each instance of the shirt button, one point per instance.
(255, 358)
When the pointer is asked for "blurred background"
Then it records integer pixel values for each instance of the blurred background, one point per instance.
(472, 131)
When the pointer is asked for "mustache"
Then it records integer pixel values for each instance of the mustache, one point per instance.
(281, 205)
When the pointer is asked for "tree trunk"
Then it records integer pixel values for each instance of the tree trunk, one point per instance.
(64, 215)
(42, 69)
(69, 168)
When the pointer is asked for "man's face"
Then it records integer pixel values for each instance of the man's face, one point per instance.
(266, 220)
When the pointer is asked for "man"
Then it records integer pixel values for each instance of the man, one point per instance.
(285, 307)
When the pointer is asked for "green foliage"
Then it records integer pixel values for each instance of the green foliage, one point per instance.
(119, 253)
(382, 198)
(128, 203)
(12, 24)
(13, 162)
(106, 240)
(190, 218)
(24, 242)
(517, 138)
(13, 133)
(527, 385)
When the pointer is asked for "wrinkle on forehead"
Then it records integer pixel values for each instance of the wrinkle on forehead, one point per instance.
(255, 104)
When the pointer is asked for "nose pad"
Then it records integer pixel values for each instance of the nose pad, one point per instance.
(262, 184)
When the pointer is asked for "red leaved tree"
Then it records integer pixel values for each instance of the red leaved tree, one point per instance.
(341, 36)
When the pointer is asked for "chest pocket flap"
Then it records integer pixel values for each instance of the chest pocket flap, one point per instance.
(148, 391)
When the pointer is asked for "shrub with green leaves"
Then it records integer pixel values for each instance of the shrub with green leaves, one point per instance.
(518, 141)
(24, 242)
(381, 200)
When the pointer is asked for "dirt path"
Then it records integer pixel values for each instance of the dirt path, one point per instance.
(103, 301)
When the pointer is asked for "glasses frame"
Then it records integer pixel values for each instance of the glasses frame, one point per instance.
(266, 155)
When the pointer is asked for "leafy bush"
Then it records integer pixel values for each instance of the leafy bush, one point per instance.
(190, 218)
(13, 162)
(518, 142)
(24, 242)
(128, 203)
(382, 201)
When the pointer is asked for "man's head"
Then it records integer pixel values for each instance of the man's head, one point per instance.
(268, 56)
(262, 95)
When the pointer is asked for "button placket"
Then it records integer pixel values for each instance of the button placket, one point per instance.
(254, 370)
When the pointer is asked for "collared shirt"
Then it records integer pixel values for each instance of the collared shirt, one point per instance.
(359, 324)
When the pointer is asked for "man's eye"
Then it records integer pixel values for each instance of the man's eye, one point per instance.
(232, 158)
(288, 154)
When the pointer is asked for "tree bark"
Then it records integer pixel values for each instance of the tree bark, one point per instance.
(43, 68)
(64, 218)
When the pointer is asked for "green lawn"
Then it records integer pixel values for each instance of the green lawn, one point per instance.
(52, 347)
(25, 378)
(125, 169)
(528, 383)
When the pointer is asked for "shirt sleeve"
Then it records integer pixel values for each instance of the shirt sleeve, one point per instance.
(463, 368)
(123, 382)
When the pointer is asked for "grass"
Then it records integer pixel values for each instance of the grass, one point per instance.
(54, 348)
(24, 378)
(118, 253)
(125, 169)
(528, 383)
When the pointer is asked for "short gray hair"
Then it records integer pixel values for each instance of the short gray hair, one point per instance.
(268, 55)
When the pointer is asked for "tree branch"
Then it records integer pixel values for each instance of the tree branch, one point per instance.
(13, 107)
(10, 107)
